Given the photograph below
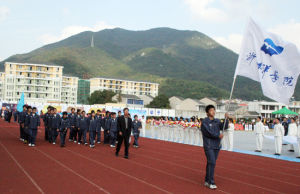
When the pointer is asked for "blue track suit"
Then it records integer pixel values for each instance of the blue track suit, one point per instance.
(106, 126)
(21, 120)
(63, 129)
(53, 124)
(83, 127)
(99, 125)
(211, 143)
(72, 119)
(92, 129)
(136, 125)
(34, 122)
(113, 130)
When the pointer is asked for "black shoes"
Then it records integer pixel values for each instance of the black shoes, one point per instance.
(126, 157)
(291, 151)
(117, 154)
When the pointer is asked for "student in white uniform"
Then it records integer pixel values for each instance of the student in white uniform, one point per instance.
(143, 120)
(278, 135)
(298, 138)
(230, 132)
(292, 132)
(259, 133)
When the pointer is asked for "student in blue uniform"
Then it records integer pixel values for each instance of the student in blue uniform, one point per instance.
(83, 128)
(76, 130)
(16, 113)
(34, 123)
(99, 124)
(63, 128)
(211, 128)
(136, 127)
(72, 119)
(57, 120)
(113, 129)
(92, 128)
(21, 120)
(53, 124)
(26, 125)
(106, 125)
(45, 119)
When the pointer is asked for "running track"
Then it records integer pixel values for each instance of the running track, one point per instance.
(156, 167)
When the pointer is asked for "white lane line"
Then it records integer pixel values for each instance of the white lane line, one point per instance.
(61, 164)
(21, 167)
(119, 171)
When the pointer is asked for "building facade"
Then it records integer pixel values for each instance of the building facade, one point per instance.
(124, 86)
(2, 81)
(39, 83)
(83, 92)
(69, 90)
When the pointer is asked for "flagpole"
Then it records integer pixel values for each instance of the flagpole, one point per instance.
(230, 97)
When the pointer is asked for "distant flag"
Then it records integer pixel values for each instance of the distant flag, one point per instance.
(21, 103)
(266, 58)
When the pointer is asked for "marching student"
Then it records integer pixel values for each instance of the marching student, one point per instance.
(259, 132)
(75, 132)
(92, 129)
(63, 128)
(72, 120)
(83, 127)
(34, 123)
(113, 129)
(45, 119)
(106, 125)
(278, 135)
(99, 124)
(292, 131)
(230, 132)
(21, 121)
(53, 124)
(26, 125)
(136, 128)
(211, 128)
(57, 121)
(124, 132)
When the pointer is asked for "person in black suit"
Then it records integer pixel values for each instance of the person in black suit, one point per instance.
(124, 131)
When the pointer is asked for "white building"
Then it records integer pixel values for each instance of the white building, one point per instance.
(2, 81)
(265, 108)
(69, 90)
(39, 83)
(124, 86)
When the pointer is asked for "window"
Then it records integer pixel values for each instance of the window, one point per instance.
(272, 107)
(129, 101)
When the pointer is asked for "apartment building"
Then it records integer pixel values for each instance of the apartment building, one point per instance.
(39, 82)
(2, 79)
(124, 86)
(69, 90)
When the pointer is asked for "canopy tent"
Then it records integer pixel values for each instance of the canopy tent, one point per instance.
(284, 111)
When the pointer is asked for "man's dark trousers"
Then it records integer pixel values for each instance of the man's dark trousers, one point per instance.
(211, 156)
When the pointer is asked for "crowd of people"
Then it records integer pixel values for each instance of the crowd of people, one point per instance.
(211, 133)
(116, 128)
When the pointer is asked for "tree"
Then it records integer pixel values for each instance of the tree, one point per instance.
(160, 101)
(101, 97)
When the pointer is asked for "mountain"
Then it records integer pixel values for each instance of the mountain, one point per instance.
(185, 63)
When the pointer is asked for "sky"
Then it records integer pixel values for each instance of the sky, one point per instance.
(26, 25)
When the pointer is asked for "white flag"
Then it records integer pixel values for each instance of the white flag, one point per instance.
(266, 58)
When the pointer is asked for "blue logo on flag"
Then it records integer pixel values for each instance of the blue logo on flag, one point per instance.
(270, 48)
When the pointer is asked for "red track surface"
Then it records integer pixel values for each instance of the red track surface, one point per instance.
(156, 167)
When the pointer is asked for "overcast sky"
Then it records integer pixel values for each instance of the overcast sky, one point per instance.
(28, 24)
